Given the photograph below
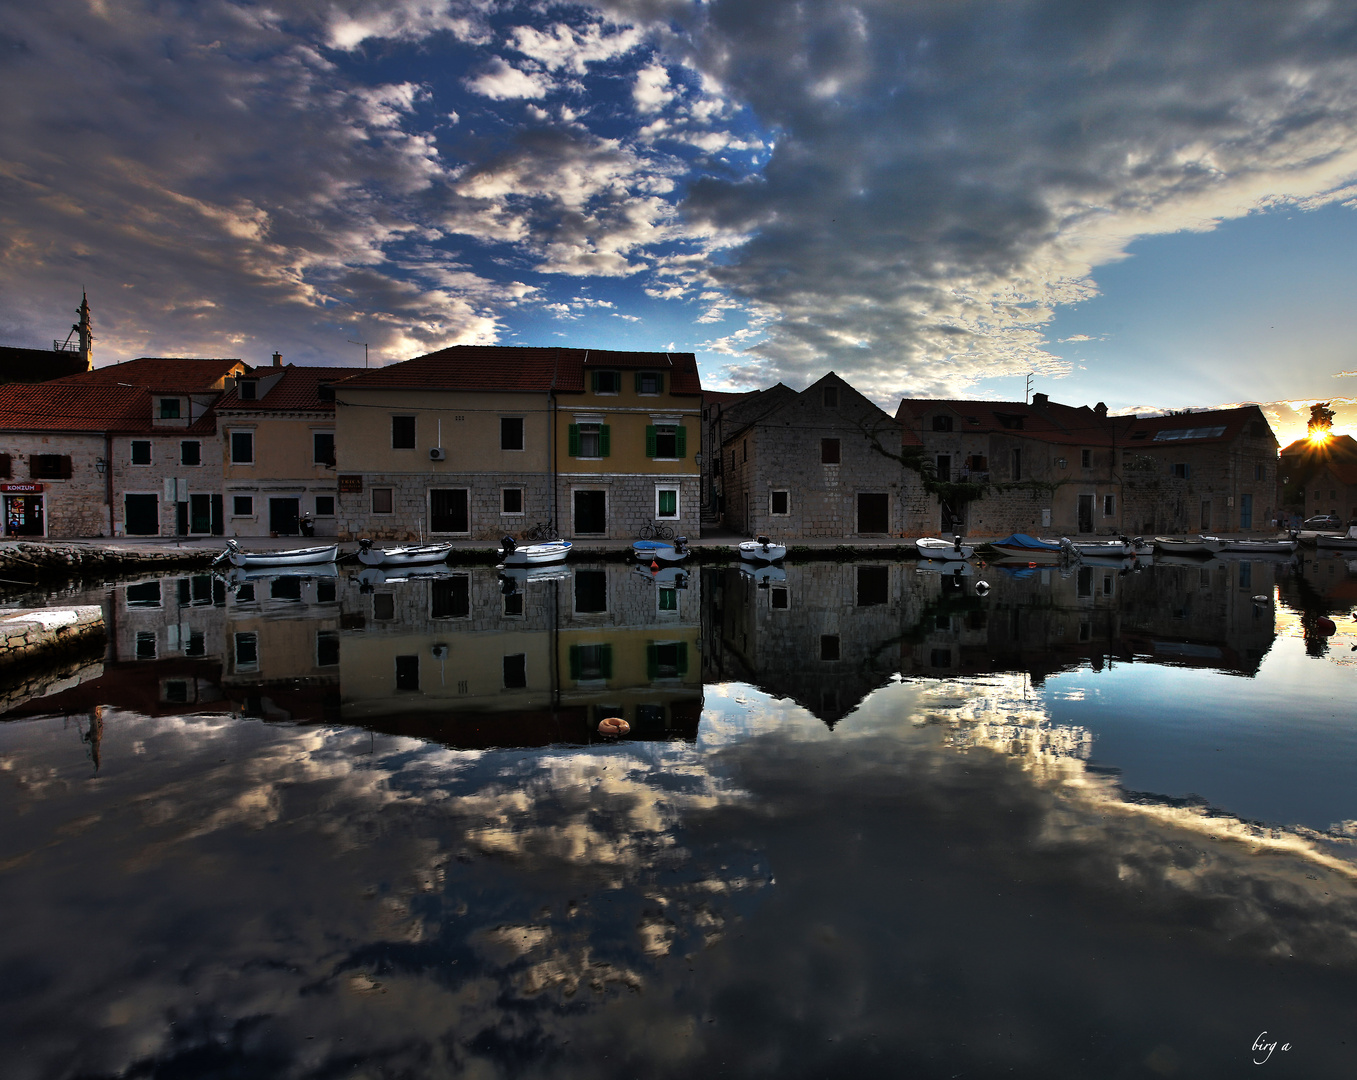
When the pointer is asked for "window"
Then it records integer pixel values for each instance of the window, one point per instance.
(668, 599)
(145, 644)
(327, 648)
(650, 382)
(511, 501)
(383, 606)
(1183, 470)
(190, 452)
(744, 445)
(1109, 505)
(325, 392)
(169, 408)
(286, 587)
(945, 467)
(1015, 465)
(247, 652)
(242, 448)
(141, 452)
(513, 603)
(5, 473)
(591, 662)
(144, 594)
(242, 505)
(590, 440)
(1258, 471)
(248, 389)
(197, 644)
(666, 660)
(407, 672)
(325, 506)
(402, 433)
(245, 594)
(831, 397)
(829, 646)
(591, 592)
(1086, 459)
(607, 382)
(942, 423)
(829, 451)
(1010, 420)
(666, 441)
(777, 598)
(666, 502)
(873, 585)
(326, 591)
(450, 598)
(511, 433)
(382, 501)
(516, 671)
(323, 447)
(49, 466)
(779, 503)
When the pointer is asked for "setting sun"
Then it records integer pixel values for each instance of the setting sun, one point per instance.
(1319, 437)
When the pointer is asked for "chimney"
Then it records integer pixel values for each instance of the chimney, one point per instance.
(1040, 399)
(277, 359)
(1100, 409)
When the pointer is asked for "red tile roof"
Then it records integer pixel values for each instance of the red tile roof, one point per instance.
(1192, 428)
(520, 369)
(297, 391)
(182, 375)
(1048, 421)
(62, 406)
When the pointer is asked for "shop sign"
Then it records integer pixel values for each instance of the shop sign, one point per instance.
(351, 485)
(21, 489)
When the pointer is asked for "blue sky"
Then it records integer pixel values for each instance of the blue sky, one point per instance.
(1148, 204)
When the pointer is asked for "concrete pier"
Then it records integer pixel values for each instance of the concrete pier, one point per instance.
(30, 636)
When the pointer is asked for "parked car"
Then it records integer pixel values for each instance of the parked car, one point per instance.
(1322, 521)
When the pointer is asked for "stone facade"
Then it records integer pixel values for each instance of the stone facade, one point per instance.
(74, 506)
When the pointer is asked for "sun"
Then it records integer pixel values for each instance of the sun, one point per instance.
(1319, 437)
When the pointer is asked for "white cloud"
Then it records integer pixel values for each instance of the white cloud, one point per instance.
(565, 48)
(652, 91)
(500, 81)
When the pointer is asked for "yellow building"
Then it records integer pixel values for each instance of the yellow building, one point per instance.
(479, 441)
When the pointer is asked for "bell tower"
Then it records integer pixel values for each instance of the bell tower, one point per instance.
(85, 333)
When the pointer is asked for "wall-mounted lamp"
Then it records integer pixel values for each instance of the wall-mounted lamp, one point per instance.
(100, 466)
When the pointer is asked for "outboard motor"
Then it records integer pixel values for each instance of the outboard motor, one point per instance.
(764, 540)
(507, 545)
(956, 541)
(507, 585)
(365, 544)
(680, 545)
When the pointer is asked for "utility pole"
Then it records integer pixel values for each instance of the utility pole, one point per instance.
(365, 350)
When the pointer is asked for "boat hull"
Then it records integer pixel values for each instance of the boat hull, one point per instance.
(1203, 546)
(1344, 542)
(654, 551)
(416, 556)
(1104, 549)
(930, 547)
(252, 560)
(544, 554)
(753, 551)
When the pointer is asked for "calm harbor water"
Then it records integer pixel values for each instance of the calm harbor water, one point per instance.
(870, 820)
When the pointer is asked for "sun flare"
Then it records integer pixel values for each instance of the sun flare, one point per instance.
(1319, 437)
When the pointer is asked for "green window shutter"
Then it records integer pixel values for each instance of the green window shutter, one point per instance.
(575, 663)
(593, 381)
(681, 442)
(574, 439)
(638, 382)
(682, 650)
(659, 382)
(650, 440)
(605, 440)
(652, 661)
(605, 660)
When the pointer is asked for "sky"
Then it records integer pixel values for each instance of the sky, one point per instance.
(1150, 204)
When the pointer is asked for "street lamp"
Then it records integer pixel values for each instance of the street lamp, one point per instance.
(100, 466)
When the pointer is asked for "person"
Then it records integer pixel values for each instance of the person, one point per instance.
(308, 526)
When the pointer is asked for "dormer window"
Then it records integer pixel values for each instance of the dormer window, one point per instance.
(650, 382)
(169, 408)
(325, 392)
(607, 382)
(942, 423)
(249, 389)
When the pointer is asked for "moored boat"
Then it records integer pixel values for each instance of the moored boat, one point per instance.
(401, 556)
(1107, 549)
(1256, 547)
(1022, 546)
(543, 554)
(1200, 545)
(762, 549)
(655, 551)
(1345, 542)
(930, 547)
(250, 560)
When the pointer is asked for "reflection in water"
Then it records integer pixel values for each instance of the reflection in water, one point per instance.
(321, 827)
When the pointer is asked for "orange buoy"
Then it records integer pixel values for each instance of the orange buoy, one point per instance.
(613, 725)
(654, 566)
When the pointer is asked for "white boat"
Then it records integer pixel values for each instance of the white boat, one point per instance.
(655, 551)
(1106, 549)
(402, 556)
(1201, 545)
(930, 547)
(762, 549)
(544, 554)
(1257, 547)
(1345, 542)
(251, 560)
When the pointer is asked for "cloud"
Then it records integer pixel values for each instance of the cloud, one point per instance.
(500, 81)
(565, 48)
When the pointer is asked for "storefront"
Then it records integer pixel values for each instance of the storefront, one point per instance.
(24, 510)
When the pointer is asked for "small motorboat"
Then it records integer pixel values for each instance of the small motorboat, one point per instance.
(930, 547)
(253, 560)
(1254, 547)
(671, 577)
(762, 549)
(1203, 546)
(656, 551)
(1105, 549)
(1022, 546)
(401, 556)
(543, 554)
(1344, 542)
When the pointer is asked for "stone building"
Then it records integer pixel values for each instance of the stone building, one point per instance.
(480, 441)
(824, 462)
(1321, 478)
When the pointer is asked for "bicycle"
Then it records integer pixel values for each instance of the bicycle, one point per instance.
(656, 532)
(543, 530)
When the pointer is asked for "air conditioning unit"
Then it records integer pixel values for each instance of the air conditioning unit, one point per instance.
(437, 453)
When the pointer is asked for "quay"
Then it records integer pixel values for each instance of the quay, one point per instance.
(43, 634)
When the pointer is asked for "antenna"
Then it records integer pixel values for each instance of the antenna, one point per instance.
(1027, 395)
(365, 349)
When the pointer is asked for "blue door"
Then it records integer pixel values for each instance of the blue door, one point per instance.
(1246, 511)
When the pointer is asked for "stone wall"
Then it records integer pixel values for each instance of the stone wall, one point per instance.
(72, 507)
(30, 637)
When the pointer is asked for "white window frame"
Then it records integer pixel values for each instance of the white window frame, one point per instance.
(776, 491)
(522, 502)
(1109, 505)
(231, 446)
(236, 513)
(678, 502)
(382, 513)
(334, 502)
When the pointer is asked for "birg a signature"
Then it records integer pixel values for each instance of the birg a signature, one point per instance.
(1262, 1047)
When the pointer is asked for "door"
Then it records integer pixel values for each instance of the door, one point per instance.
(285, 516)
(1246, 511)
(1206, 515)
(200, 513)
(1085, 513)
(141, 515)
(218, 516)
(953, 518)
(874, 512)
(591, 512)
(448, 510)
(23, 515)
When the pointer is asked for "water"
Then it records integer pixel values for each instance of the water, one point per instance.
(869, 821)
